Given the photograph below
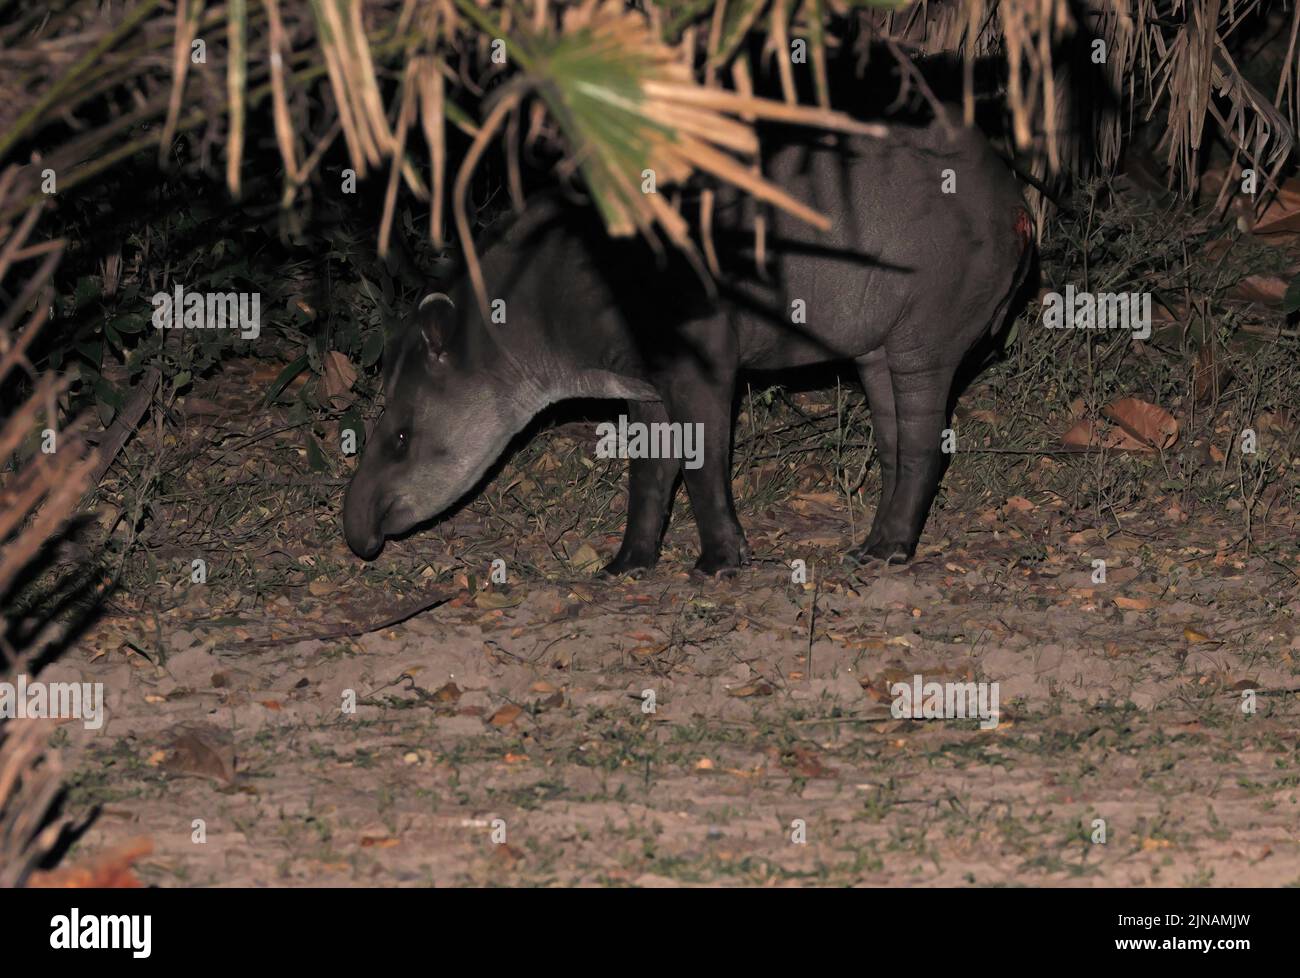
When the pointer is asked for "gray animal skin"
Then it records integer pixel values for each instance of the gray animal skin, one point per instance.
(906, 282)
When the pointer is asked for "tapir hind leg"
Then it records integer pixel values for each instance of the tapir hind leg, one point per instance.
(921, 406)
(873, 369)
(651, 482)
(699, 392)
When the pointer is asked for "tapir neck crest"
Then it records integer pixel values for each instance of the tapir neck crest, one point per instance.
(605, 383)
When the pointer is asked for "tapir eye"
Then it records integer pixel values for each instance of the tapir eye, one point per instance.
(402, 439)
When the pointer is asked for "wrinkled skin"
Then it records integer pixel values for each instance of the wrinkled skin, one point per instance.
(904, 284)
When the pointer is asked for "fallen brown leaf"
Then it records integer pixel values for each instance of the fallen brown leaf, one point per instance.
(505, 716)
(1283, 212)
(1089, 434)
(340, 375)
(1134, 604)
(497, 599)
(1146, 422)
(447, 693)
(201, 752)
(110, 870)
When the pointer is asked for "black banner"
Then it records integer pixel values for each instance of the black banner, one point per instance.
(944, 929)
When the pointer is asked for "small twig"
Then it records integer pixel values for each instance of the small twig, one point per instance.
(127, 419)
(352, 631)
(812, 619)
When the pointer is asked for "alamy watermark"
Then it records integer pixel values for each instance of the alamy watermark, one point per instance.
(209, 310)
(75, 931)
(659, 439)
(919, 700)
(35, 700)
(1098, 310)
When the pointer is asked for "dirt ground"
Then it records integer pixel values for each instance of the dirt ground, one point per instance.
(566, 729)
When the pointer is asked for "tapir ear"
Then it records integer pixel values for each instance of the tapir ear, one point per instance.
(436, 319)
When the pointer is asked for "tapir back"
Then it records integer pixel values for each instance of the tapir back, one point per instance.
(923, 225)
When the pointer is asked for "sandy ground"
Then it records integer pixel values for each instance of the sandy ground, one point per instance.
(563, 729)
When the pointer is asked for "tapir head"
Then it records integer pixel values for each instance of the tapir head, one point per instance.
(451, 404)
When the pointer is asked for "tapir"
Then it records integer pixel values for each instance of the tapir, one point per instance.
(928, 243)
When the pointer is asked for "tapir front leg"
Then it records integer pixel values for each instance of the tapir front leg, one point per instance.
(650, 486)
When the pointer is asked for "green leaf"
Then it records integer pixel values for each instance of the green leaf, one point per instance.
(108, 393)
(1009, 340)
(737, 20)
(286, 375)
(316, 355)
(87, 288)
(130, 323)
(92, 350)
(373, 348)
(315, 457)
(1291, 301)
(347, 334)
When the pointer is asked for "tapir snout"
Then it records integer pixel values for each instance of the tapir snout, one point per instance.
(362, 519)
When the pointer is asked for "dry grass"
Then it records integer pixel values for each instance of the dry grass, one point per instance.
(37, 498)
(619, 90)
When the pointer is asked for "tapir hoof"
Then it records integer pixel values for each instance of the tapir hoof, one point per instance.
(714, 571)
(885, 551)
(721, 563)
(629, 565)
